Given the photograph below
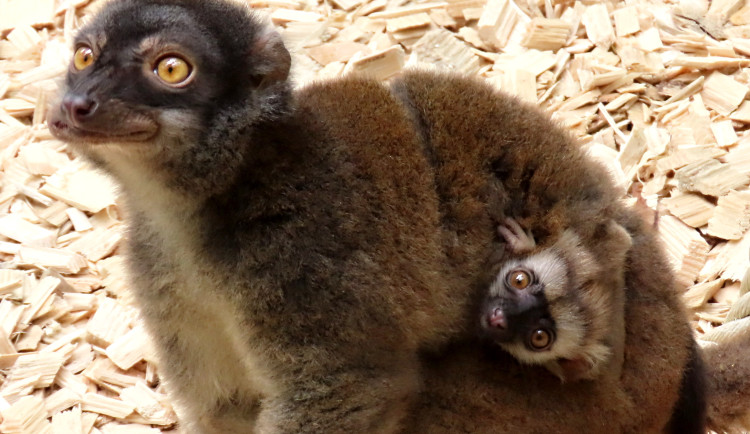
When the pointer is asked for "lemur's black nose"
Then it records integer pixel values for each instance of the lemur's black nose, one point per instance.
(78, 108)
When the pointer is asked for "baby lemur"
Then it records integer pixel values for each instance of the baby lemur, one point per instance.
(297, 255)
(555, 306)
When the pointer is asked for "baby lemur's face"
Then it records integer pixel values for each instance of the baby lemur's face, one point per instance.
(547, 306)
(517, 314)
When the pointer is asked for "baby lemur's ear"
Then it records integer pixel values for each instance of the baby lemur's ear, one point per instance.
(270, 58)
(621, 239)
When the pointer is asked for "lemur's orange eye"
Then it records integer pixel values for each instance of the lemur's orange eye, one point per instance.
(83, 57)
(173, 70)
(518, 279)
(541, 339)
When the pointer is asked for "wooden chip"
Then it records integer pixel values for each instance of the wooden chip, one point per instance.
(724, 133)
(335, 52)
(20, 12)
(626, 21)
(18, 229)
(598, 26)
(111, 322)
(54, 259)
(547, 34)
(408, 22)
(61, 400)
(697, 295)
(688, 156)
(440, 48)
(498, 21)
(107, 406)
(148, 404)
(67, 422)
(129, 349)
(693, 209)
(723, 93)
(281, 16)
(81, 187)
(710, 177)
(25, 416)
(686, 249)
(382, 64)
(731, 218)
(408, 10)
(43, 367)
(633, 151)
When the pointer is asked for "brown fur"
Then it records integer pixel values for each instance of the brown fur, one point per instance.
(728, 389)
(303, 260)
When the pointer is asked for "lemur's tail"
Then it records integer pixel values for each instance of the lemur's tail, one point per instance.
(726, 354)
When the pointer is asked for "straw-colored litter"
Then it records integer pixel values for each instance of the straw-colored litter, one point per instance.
(655, 89)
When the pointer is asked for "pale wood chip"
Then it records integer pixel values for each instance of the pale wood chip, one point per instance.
(22, 13)
(148, 404)
(740, 308)
(335, 52)
(110, 322)
(381, 64)
(81, 187)
(107, 375)
(626, 21)
(598, 26)
(632, 152)
(440, 48)
(723, 93)
(731, 218)
(18, 229)
(710, 177)
(38, 297)
(693, 209)
(408, 10)
(67, 422)
(282, 16)
(30, 339)
(61, 400)
(107, 406)
(687, 91)
(547, 34)
(408, 22)
(698, 295)
(25, 416)
(55, 259)
(686, 249)
(43, 367)
(688, 156)
(498, 21)
(129, 349)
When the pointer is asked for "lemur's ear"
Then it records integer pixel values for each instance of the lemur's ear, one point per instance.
(271, 59)
(623, 240)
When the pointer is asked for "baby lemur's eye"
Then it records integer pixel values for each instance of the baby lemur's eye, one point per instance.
(541, 339)
(518, 279)
(83, 57)
(173, 70)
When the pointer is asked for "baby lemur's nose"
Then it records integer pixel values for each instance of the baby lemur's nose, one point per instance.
(79, 108)
(497, 318)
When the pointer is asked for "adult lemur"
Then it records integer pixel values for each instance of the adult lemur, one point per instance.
(304, 259)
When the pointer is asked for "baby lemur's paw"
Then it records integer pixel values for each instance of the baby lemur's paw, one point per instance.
(518, 240)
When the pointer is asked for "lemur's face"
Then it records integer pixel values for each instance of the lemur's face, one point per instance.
(136, 74)
(516, 312)
(141, 72)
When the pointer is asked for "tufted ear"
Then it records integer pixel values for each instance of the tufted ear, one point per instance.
(271, 59)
